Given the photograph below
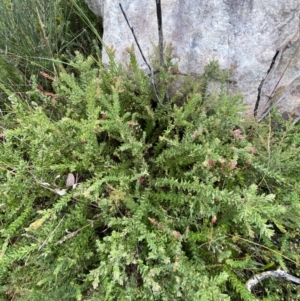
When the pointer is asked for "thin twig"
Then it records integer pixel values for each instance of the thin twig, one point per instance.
(160, 39)
(71, 235)
(275, 87)
(267, 248)
(160, 33)
(142, 54)
(282, 74)
(67, 237)
(50, 236)
(278, 274)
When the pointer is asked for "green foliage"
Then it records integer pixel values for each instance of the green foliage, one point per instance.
(37, 34)
(183, 200)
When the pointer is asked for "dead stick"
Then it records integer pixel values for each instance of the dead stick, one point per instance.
(142, 54)
(160, 33)
(278, 274)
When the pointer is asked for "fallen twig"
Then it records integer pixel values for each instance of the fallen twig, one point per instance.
(67, 237)
(278, 274)
(50, 236)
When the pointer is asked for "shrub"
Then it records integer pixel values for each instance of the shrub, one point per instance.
(182, 199)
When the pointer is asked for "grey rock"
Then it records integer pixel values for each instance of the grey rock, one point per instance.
(96, 6)
(258, 41)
